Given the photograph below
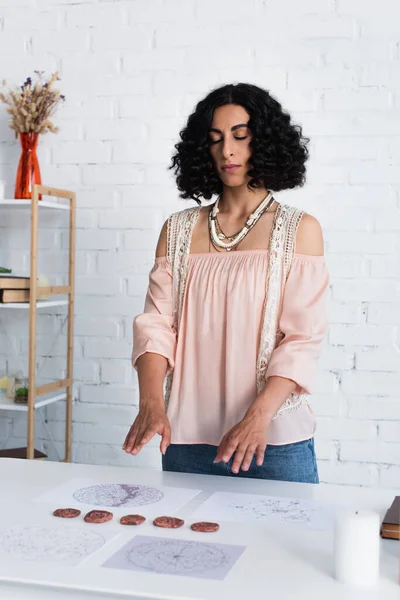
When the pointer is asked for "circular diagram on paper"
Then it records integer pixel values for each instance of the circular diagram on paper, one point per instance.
(288, 512)
(118, 494)
(177, 557)
(54, 544)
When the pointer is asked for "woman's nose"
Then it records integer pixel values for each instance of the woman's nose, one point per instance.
(227, 149)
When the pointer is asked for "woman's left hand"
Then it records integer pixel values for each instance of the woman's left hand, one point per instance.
(245, 439)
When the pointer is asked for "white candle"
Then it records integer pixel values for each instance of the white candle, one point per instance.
(357, 545)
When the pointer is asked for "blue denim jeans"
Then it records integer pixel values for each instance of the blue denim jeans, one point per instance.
(290, 462)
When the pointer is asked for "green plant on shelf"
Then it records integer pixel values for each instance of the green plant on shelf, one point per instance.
(21, 395)
(4, 270)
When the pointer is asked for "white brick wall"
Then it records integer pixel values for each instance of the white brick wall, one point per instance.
(132, 72)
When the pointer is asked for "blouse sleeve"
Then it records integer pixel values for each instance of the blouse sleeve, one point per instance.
(152, 330)
(303, 321)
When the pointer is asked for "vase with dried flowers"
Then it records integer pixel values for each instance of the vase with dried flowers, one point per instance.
(31, 105)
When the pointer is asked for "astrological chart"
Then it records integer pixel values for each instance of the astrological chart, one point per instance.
(62, 544)
(81, 493)
(170, 556)
(118, 494)
(271, 510)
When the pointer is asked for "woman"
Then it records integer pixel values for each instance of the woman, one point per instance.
(235, 311)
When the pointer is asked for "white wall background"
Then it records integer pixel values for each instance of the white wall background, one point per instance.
(132, 71)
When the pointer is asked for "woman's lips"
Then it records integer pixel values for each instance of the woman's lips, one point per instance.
(231, 169)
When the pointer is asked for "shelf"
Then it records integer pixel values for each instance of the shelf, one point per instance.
(44, 400)
(39, 304)
(14, 203)
(45, 297)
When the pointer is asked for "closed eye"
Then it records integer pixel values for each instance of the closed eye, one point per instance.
(236, 138)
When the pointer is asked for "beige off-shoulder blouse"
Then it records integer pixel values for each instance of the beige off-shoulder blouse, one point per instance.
(214, 357)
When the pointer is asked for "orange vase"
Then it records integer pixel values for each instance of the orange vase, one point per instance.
(28, 168)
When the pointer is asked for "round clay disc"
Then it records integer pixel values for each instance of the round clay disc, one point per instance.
(168, 522)
(98, 516)
(205, 526)
(67, 513)
(132, 520)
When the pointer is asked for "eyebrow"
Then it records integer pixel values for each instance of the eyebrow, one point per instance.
(232, 128)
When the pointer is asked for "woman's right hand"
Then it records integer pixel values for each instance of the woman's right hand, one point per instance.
(150, 420)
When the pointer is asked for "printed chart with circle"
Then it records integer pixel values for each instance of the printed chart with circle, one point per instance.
(68, 545)
(151, 500)
(289, 512)
(269, 510)
(118, 495)
(170, 556)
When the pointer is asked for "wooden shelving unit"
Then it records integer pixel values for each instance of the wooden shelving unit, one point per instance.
(48, 393)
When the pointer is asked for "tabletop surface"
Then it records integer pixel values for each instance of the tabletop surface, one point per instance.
(287, 562)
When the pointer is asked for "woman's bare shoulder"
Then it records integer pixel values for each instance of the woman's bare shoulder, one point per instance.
(161, 249)
(309, 239)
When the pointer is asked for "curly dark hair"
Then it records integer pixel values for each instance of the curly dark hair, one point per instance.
(279, 150)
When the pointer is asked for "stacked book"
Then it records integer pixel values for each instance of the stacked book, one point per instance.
(391, 523)
(13, 288)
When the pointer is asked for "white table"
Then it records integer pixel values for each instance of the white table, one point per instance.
(289, 564)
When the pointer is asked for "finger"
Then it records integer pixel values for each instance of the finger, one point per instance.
(142, 439)
(221, 449)
(230, 448)
(166, 438)
(248, 458)
(260, 456)
(146, 437)
(239, 454)
(127, 437)
(130, 439)
(138, 439)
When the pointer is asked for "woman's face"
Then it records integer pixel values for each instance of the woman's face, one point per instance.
(230, 144)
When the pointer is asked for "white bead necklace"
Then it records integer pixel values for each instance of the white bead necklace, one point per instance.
(217, 238)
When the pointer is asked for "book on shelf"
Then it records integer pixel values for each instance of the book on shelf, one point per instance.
(391, 523)
(7, 296)
(14, 283)
(21, 453)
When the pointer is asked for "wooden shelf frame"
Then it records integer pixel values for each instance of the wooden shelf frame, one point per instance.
(36, 291)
